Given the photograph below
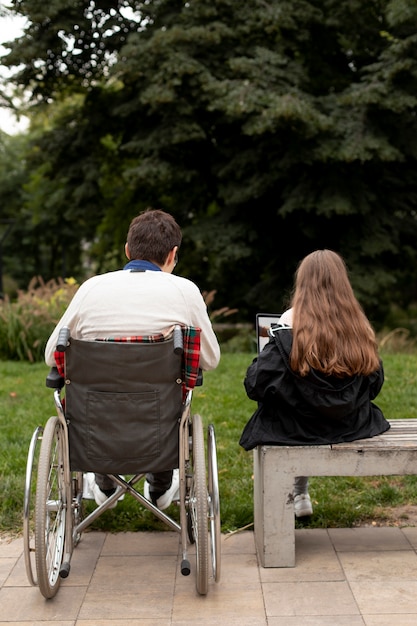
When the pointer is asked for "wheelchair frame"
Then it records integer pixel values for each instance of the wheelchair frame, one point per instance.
(54, 526)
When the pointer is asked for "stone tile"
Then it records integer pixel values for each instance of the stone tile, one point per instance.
(125, 573)
(142, 543)
(367, 539)
(145, 601)
(6, 567)
(217, 621)
(224, 604)
(237, 594)
(17, 575)
(316, 560)
(309, 598)
(411, 535)
(186, 585)
(146, 621)
(238, 569)
(343, 577)
(39, 623)
(317, 620)
(85, 558)
(242, 542)
(389, 620)
(312, 541)
(393, 597)
(83, 562)
(28, 605)
(382, 566)
(92, 541)
(10, 547)
(131, 587)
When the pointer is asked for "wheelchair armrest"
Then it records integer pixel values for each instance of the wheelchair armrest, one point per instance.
(199, 378)
(54, 380)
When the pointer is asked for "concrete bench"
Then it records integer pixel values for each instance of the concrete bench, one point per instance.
(392, 453)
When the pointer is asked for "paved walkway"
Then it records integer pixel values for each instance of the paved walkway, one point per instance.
(343, 577)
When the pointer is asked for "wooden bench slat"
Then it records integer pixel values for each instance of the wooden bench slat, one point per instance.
(402, 433)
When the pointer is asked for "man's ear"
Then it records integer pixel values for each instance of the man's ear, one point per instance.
(127, 251)
(170, 262)
(172, 257)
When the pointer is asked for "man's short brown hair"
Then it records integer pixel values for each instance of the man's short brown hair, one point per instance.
(152, 235)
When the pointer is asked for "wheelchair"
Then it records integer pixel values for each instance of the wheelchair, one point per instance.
(126, 412)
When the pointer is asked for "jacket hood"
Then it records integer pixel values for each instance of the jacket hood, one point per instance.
(332, 397)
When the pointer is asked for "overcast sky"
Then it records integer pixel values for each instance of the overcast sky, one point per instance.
(9, 29)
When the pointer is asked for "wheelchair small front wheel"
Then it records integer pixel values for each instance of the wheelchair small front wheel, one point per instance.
(50, 508)
(198, 504)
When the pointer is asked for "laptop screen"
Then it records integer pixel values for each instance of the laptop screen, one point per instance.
(263, 324)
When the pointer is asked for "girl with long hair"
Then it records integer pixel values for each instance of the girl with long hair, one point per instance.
(316, 378)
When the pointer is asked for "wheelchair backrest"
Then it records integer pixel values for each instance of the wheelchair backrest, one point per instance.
(123, 403)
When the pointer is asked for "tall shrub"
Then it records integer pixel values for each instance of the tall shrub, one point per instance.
(27, 322)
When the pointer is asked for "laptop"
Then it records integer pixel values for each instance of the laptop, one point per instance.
(264, 321)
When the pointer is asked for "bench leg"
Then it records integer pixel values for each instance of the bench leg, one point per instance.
(273, 512)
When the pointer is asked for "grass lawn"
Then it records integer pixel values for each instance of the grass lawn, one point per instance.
(25, 403)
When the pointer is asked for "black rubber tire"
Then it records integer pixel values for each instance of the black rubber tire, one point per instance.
(50, 509)
(28, 506)
(214, 504)
(199, 505)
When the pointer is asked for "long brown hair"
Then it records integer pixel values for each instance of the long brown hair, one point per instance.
(331, 333)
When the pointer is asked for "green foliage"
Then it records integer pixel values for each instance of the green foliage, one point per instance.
(338, 502)
(25, 402)
(268, 130)
(27, 322)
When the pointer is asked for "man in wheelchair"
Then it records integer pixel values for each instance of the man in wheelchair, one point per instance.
(144, 298)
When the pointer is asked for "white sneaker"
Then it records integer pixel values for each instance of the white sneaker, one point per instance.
(173, 493)
(91, 488)
(88, 483)
(302, 505)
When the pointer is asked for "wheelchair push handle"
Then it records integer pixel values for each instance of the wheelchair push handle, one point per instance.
(178, 341)
(63, 336)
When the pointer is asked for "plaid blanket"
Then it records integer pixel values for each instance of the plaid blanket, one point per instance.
(191, 357)
(60, 362)
(191, 354)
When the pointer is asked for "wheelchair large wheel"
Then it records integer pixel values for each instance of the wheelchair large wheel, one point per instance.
(214, 503)
(28, 507)
(50, 509)
(198, 505)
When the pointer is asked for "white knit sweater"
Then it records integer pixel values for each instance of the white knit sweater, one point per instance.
(125, 303)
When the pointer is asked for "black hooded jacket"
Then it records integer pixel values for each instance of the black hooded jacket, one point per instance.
(307, 410)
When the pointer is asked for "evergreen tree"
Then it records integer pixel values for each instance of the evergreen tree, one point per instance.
(268, 128)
